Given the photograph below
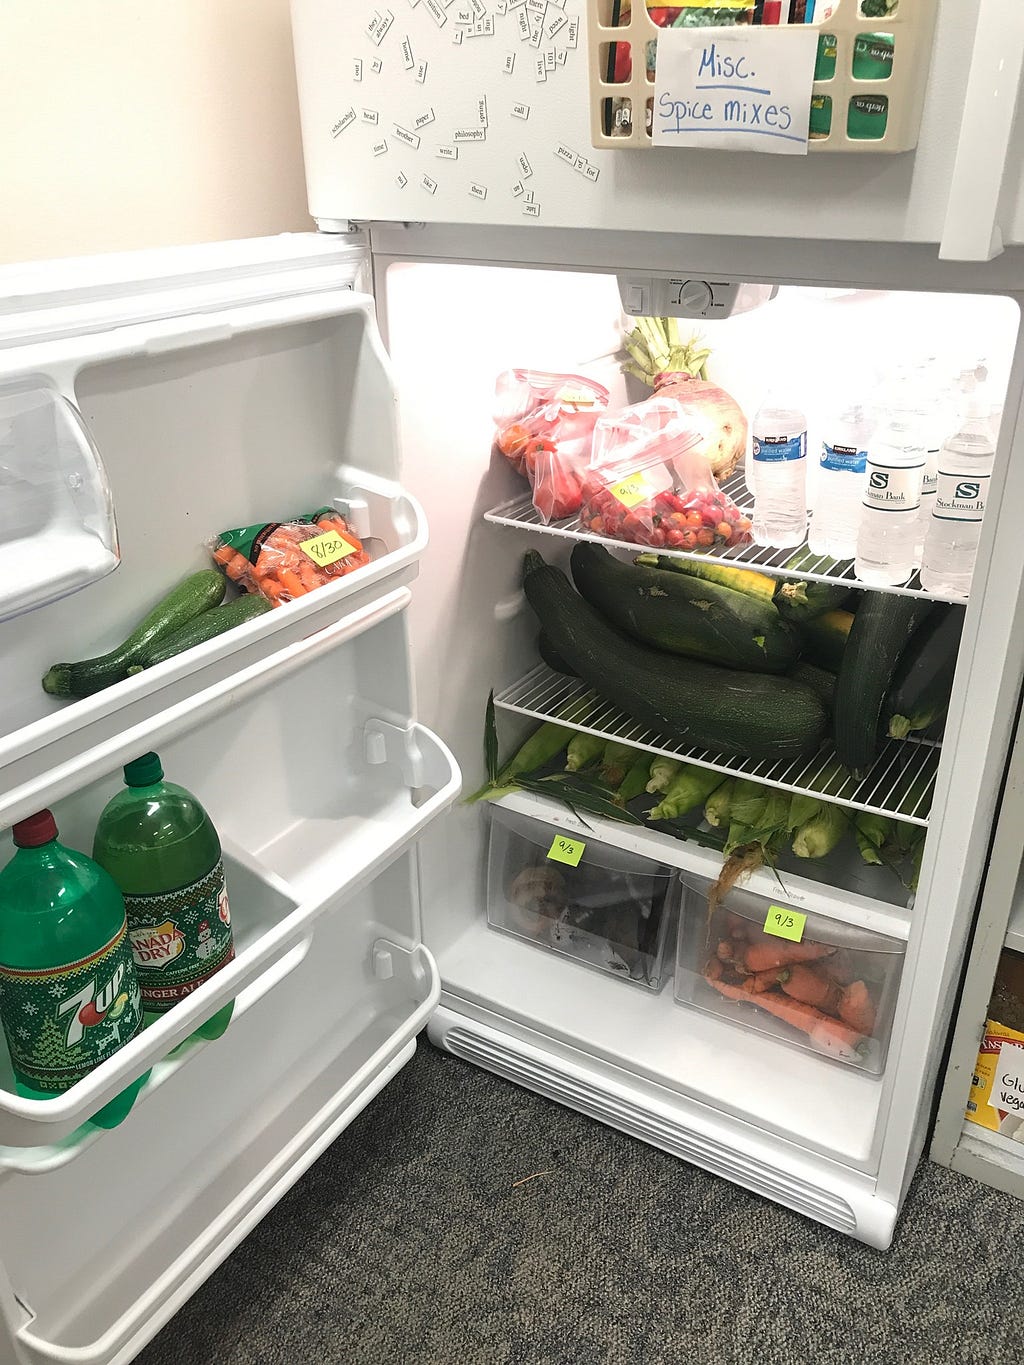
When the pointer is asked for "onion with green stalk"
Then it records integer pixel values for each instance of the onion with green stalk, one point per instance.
(677, 369)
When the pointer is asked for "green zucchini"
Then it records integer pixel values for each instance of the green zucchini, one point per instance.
(202, 628)
(551, 658)
(825, 637)
(881, 630)
(740, 580)
(683, 615)
(819, 680)
(196, 594)
(800, 599)
(748, 714)
(919, 696)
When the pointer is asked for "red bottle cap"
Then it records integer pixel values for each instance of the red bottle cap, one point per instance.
(38, 829)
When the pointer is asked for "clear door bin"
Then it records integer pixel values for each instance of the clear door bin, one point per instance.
(57, 531)
(612, 912)
(832, 992)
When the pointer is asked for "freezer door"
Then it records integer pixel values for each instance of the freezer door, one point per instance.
(411, 114)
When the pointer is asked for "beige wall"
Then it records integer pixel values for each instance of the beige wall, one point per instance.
(135, 123)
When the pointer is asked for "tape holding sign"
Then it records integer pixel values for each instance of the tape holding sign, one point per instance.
(739, 89)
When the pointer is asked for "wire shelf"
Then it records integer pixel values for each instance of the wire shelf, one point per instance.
(901, 781)
(521, 513)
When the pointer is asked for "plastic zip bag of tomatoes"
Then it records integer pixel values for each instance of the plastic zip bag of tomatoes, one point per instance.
(545, 428)
(650, 484)
(282, 560)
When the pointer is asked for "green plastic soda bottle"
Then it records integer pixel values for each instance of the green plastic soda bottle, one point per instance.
(160, 847)
(69, 997)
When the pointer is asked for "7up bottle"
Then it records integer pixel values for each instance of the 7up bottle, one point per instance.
(69, 997)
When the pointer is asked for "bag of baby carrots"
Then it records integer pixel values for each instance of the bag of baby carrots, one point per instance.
(282, 560)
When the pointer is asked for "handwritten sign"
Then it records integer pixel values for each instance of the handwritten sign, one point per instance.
(1008, 1081)
(785, 923)
(328, 548)
(738, 89)
(568, 851)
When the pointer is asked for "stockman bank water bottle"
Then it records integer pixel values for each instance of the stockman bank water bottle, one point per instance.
(965, 472)
(936, 414)
(780, 475)
(887, 537)
(160, 847)
(69, 997)
(841, 474)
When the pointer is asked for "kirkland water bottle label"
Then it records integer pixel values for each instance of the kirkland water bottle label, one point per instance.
(776, 448)
(847, 459)
(961, 497)
(61, 1022)
(180, 938)
(893, 490)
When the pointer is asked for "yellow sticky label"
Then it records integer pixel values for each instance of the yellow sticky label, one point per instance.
(785, 923)
(631, 490)
(564, 850)
(327, 549)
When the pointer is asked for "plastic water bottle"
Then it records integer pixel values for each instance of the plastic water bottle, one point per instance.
(887, 537)
(160, 847)
(780, 475)
(69, 998)
(841, 476)
(931, 402)
(965, 473)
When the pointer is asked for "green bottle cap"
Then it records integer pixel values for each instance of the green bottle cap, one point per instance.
(144, 771)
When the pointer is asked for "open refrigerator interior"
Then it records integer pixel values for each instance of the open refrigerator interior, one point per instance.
(326, 738)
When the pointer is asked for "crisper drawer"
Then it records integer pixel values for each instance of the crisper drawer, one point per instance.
(101, 1249)
(829, 987)
(602, 907)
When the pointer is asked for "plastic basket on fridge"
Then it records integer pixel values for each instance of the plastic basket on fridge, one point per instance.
(733, 969)
(611, 911)
(869, 77)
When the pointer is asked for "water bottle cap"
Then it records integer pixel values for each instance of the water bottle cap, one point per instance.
(143, 771)
(35, 830)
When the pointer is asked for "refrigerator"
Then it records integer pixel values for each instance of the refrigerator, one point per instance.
(151, 400)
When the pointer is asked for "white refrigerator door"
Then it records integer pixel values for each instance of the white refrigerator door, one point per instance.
(222, 386)
(410, 116)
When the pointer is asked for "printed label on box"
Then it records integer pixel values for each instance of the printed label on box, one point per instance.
(996, 1061)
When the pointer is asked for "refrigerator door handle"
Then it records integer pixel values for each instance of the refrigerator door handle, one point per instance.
(972, 230)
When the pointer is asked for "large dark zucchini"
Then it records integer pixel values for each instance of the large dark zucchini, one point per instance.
(684, 615)
(800, 599)
(551, 656)
(825, 638)
(881, 631)
(749, 714)
(821, 682)
(920, 690)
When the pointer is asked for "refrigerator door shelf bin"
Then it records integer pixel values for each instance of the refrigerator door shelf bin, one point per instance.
(250, 1113)
(59, 753)
(57, 531)
(900, 783)
(858, 975)
(336, 799)
(521, 514)
(892, 70)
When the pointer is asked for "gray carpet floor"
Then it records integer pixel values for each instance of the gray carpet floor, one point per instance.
(413, 1240)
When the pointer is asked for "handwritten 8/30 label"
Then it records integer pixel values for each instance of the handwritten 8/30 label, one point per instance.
(785, 923)
(564, 850)
(631, 490)
(327, 549)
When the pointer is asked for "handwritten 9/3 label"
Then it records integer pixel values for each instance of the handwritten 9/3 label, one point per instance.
(564, 850)
(743, 90)
(785, 923)
(327, 549)
(631, 490)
